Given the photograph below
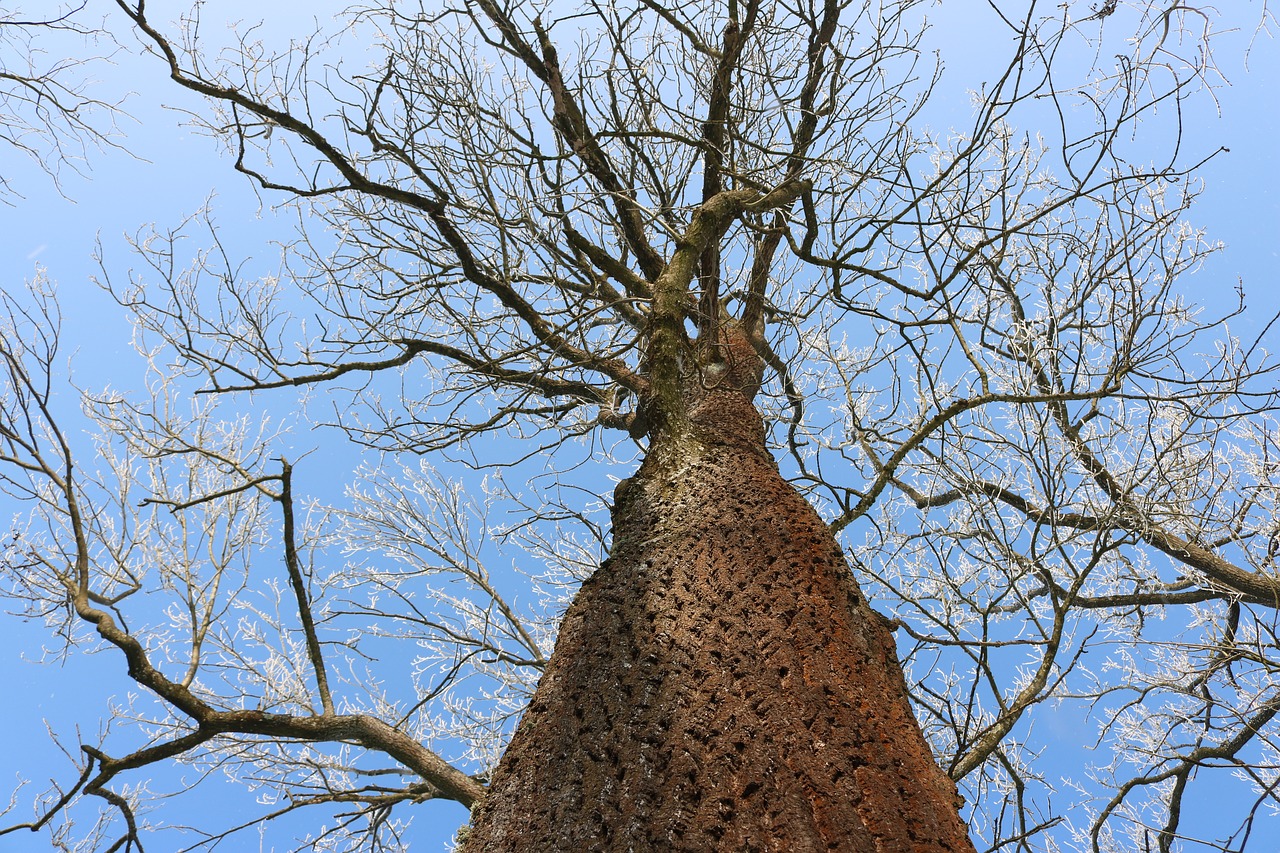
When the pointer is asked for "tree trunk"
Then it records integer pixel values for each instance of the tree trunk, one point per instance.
(720, 683)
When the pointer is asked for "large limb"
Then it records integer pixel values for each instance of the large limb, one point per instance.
(715, 142)
(34, 450)
(571, 122)
(1130, 514)
(353, 179)
(671, 301)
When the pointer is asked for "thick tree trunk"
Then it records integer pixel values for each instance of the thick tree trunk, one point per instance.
(720, 683)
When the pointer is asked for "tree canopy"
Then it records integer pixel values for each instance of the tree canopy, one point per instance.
(519, 228)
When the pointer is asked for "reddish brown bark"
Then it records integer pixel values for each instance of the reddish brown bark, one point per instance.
(720, 683)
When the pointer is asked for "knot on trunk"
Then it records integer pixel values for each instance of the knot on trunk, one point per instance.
(726, 360)
(719, 376)
(719, 391)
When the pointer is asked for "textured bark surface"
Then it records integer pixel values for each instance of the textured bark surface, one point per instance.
(720, 683)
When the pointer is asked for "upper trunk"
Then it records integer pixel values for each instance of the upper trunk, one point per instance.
(720, 682)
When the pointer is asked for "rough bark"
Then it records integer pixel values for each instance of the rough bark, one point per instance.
(720, 683)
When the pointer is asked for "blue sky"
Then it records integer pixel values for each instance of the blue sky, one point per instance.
(173, 172)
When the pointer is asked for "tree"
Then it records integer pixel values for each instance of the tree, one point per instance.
(722, 235)
(46, 111)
